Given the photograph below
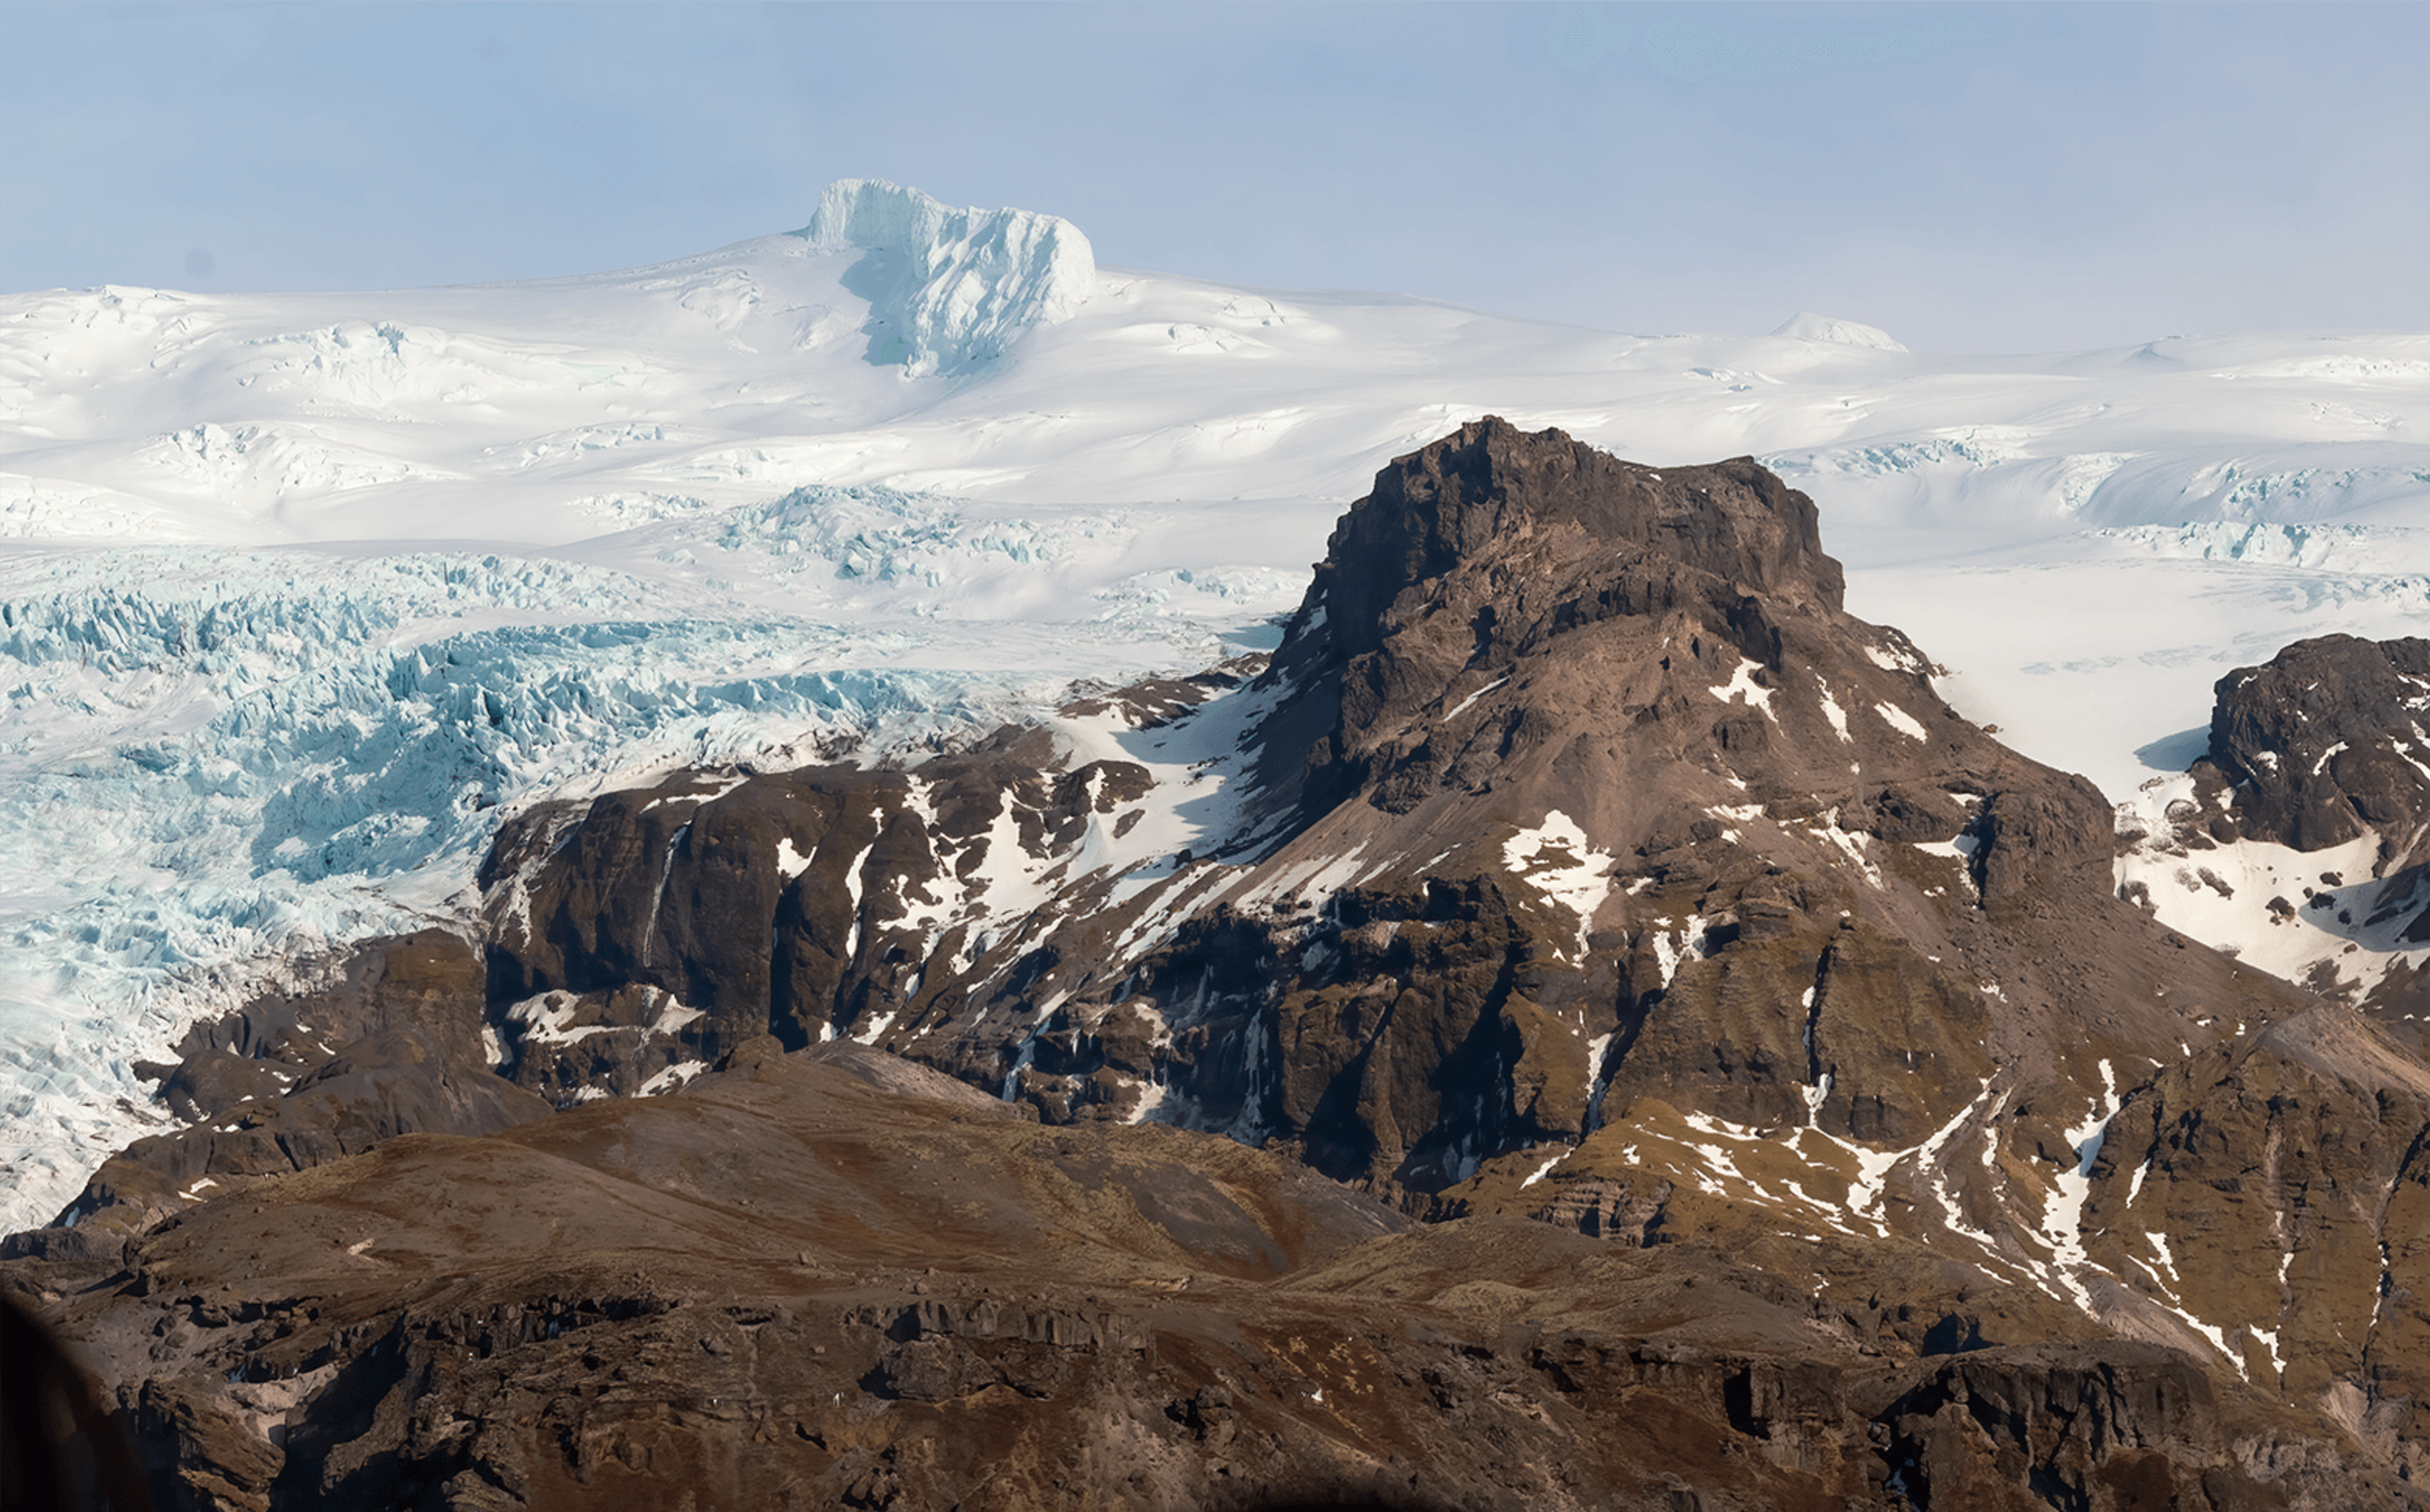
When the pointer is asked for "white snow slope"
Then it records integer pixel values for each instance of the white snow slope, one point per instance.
(300, 594)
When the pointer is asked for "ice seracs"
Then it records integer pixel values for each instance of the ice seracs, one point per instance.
(950, 289)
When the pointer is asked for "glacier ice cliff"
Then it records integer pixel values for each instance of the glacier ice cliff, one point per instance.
(949, 289)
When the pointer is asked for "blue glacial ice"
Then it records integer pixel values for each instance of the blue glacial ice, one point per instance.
(216, 762)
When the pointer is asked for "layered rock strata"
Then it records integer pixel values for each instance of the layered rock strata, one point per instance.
(832, 1279)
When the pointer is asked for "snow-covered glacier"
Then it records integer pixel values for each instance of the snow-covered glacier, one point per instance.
(301, 596)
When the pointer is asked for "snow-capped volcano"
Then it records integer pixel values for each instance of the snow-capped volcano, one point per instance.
(302, 596)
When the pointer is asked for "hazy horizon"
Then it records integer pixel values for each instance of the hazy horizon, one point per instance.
(1971, 177)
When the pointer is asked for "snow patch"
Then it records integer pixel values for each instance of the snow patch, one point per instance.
(1901, 720)
(2222, 896)
(792, 863)
(1555, 859)
(676, 1076)
(1742, 686)
(1461, 707)
(1855, 845)
(2063, 1208)
(1838, 716)
(1550, 1161)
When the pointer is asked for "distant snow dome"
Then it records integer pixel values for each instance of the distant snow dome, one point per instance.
(950, 289)
(1808, 326)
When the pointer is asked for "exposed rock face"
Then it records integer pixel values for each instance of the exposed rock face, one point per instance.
(744, 899)
(2315, 1134)
(827, 1282)
(2303, 840)
(1576, 858)
(266, 1094)
(1558, 791)
(2327, 742)
(1719, 535)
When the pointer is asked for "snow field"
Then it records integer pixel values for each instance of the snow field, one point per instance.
(2223, 894)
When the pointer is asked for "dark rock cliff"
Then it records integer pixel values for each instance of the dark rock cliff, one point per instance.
(2327, 740)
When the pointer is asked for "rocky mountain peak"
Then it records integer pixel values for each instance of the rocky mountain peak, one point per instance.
(1501, 594)
(1472, 497)
(2328, 740)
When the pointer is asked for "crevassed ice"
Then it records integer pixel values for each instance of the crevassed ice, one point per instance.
(956, 285)
(253, 756)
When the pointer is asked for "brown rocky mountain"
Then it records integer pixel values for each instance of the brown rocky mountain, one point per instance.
(836, 1279)
(1576, 858)
(2303, 837)
(2327, 743)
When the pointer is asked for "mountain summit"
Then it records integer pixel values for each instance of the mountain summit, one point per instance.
(1571, 783)
(1808, 326)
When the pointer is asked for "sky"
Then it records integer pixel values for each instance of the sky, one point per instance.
(1971, 179)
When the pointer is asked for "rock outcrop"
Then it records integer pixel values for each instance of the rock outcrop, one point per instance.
(824, 1282)
(394, 1043)
(2327, 742)
(2302, 838)
(2281, 1185)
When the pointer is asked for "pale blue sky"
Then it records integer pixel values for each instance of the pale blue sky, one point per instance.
(1975, 178)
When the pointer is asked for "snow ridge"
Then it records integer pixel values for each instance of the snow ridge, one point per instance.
(1808, 326)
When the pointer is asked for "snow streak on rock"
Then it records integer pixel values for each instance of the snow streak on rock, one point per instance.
(1555, 859)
